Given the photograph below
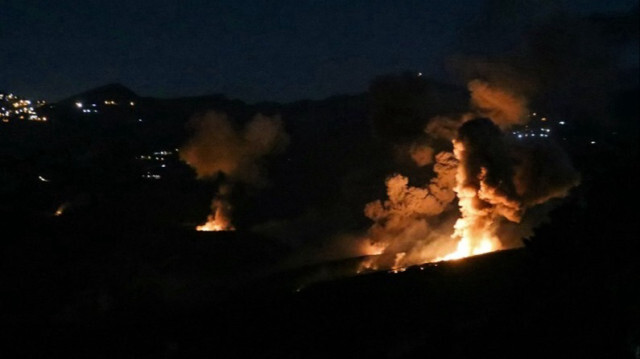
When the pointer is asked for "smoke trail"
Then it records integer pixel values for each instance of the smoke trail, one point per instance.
(217, 147)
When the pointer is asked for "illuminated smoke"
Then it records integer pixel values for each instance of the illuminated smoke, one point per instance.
(422, 155)
(503, 107)
(218, 147)
(407, 220)
(495, 180)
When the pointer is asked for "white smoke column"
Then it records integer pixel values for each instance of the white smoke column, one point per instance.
(218, 147)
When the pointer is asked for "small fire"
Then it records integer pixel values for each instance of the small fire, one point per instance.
(61, 209)
(217, 222)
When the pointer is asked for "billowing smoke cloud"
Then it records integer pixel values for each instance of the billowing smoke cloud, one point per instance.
(422, 155)
(218, 147)
(444, 128)
(505, 108)
(408, 218)
(496, 181)
(486, 169)
(572, 64)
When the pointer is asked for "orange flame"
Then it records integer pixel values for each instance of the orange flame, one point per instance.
(474, 229)
(61, 209)
(217, 222)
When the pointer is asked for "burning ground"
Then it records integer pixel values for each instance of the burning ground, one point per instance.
(217, 148)
(482, 187)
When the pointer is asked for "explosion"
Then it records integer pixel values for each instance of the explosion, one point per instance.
(494, 179)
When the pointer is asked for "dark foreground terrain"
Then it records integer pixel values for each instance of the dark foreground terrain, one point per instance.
(122, 273)
(177, 293)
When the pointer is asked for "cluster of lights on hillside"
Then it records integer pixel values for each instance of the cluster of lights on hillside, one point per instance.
(541, 127)
(89, 108)
(156, 162)
(15, 108)
(538, 127)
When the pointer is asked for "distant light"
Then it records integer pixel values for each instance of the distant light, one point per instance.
(419, 74)
(543, 119)
(132, 103)
(43, 179)
(534, 114)
(163, 166)
(79, 104)
(593, 142)
(561, 122)
(519, 136)
(139, 120)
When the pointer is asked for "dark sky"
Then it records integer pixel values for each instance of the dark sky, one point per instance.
(252, 50)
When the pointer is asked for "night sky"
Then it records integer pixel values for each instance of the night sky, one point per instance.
(252, 50)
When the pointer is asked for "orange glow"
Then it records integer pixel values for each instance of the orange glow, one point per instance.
(217, 222)
(61, 209)
(474, 229)
(368, 248)
(465, 249)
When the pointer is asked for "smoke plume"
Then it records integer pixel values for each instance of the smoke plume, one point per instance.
(495, 179)
(217, 147)
(505, 108)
